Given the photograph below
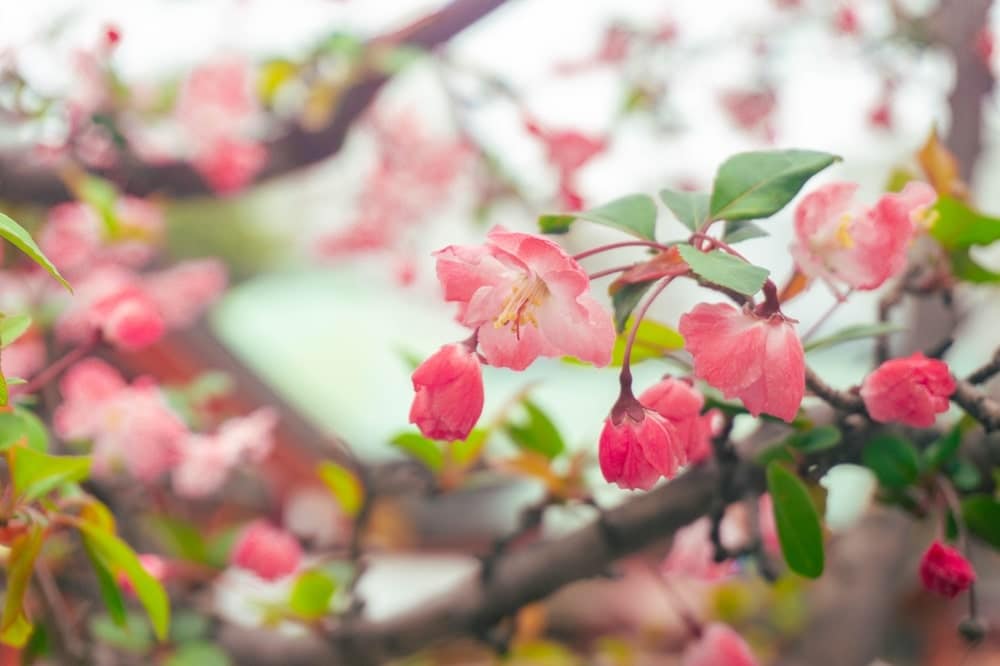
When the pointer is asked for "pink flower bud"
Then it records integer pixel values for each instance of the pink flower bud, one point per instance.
(910, 390)
(678, 402)
(267, 551)
(719, 646)
(756, 359)
(229, 165)
(129, 319)
(449, 393)
(945, 571)
(638, 446)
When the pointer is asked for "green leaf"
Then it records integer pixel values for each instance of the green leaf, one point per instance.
(34, 473)
(15, 627)
(652, 340)
(344, 486)
(634, 214)
(180, 538)
(625, 300)
(742, 230)
(965, 475)
(425, 450)
(895, 461)
(750, 186)
(311, 594)
(538, 433)
(465, 452)
(21, 239)
(198, 654)
(857, 332)
(982, 515)
(11, 328)
(110, 591)
(964, 267)
(690, 208)
(134, 637)
(943, 449)
(21, 426)
(799, 529)
(779, 453)
(119, 559)
(816, 439)
(957, 226)
(725, 270)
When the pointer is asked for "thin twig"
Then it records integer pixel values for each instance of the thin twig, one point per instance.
(843, 400)
(986, 372)
(977, 404)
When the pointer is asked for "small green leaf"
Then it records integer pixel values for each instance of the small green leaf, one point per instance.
(895, 461)
(34, 473)
(625, 300)
(742, 230)
(652, 340)
(943, 449)
(965, 475)
(11, 328)
(690, 208)
(21, 426)
(108, 586)
(465, 452)
(857, 332)
(134, 637)
(799, 530)
(964, 267)
(21, 239)
(959, 226)
(15, 627)
(982, 515)
(344, 486)
(634, 214)
(199, 653)
(779, 453)
(725, 270)
(118, 558)
(311, 594)
(538, 433)
(180, 538)
(750, 186)
(425, 450)
(816, 439)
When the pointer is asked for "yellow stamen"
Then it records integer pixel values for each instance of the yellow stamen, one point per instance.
(528, 293)
(844, 232)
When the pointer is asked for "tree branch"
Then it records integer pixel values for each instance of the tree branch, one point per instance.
(294, 149)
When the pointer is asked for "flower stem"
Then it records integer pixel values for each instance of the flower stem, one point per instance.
(54, 370)
(626, 373)
(609, 271)
(818, 324)
(950, 498)
(615, 246)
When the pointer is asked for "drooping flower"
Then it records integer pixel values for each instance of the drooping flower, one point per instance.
(526, 298)
(756, 359)
(266, 550)
(719, 646)
(945, 571)
(911, 390)
(843, 243)
(638, 446)
(680, 403)
(449, 393)
(228, 165)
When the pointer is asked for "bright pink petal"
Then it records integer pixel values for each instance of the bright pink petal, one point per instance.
(449, 394)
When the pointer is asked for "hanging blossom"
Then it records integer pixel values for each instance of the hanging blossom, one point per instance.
(449, 393)
(206, 461)
(751, 110)
(945, 571)
(843, 243)
(756, 358)
(567, 151)
(638, 445)
(266, 550)
(681, 404)
(719, 645)
(131, 426)
(132, 311)
(911, 391)
(525, 298)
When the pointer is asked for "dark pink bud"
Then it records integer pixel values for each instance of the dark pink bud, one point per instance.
(638, 446)
(449, 399)
(910, 390)
(945, 571)
(267, 551)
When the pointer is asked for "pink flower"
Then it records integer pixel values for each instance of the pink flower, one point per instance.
(945, 571)
(567, 150)
(678, 402)
(860, 247)
(229, 165)
(128, 319)
(25, 356)
(216, 99)
(719, 646)
(692, 554)
(846, 21)
(638, 446)
(910, 390)
(449, 393)
(756, 359)
(267, 551)
(526, 298)
(183, 292)
(767, 524)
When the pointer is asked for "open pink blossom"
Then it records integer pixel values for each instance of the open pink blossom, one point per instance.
(843, 243)
(680, 403)
(719, 646)
(526, 298)
(267, 551)
(911, 390)
(449, 393)
(184, 291)
(945, 571)
(638, 446)
(228, 165)
(756, 359)
(128, 319)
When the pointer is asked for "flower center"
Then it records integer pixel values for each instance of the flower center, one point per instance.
(527, 293)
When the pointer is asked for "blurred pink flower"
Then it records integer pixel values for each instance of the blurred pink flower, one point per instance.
(449, 393)
(182, 292)
(25, 356)
(860, 247)
(266, 550)
(911, 390)
(526, 298)
(719, 646)
(692, 554)
(228, 165)
(756, 359)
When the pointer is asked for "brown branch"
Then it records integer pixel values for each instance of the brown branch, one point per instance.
(978, 405)
(294, 148)
(986, 372)
(843, 400)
